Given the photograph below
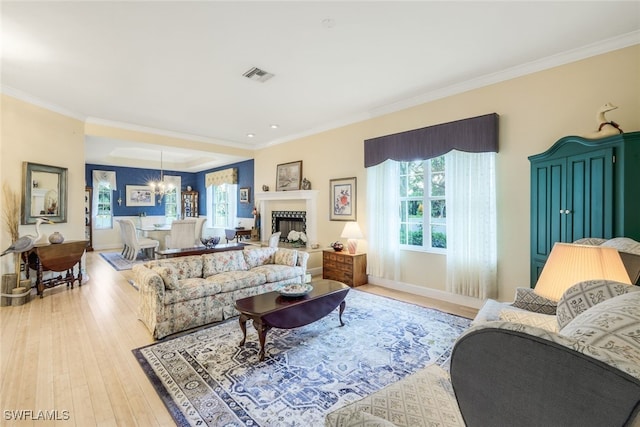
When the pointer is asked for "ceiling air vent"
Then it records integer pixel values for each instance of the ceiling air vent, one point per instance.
(258, 75)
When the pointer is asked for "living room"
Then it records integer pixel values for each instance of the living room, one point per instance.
(535, 108)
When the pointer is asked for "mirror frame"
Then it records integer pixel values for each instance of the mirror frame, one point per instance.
(27, 178)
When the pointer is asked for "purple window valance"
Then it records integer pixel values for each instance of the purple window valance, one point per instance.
(473, 135)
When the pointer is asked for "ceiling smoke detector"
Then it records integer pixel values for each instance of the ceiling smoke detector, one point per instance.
(258, 75)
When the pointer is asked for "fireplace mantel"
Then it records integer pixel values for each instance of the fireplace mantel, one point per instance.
(310, 198)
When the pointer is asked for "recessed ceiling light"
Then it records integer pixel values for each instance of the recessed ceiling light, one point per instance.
(251, 135)
(274, 126)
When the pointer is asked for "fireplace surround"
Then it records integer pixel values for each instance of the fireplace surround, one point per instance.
(300, 200)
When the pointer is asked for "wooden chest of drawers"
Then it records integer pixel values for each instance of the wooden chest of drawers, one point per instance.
(344, 267)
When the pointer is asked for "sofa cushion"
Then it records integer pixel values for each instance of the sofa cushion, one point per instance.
(424, 398)
(286, 257)
(527, 299)
(234, 280)
(275, 273)
(220, 262)
(612, 325)
(169, 275)
(584, 295)
(259, 256)
(191, 289)
(186, 267)
(539, 320)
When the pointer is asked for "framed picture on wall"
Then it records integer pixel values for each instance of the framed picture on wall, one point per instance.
(140, 195)
(245, 195)
(289, 176)
(343, 194)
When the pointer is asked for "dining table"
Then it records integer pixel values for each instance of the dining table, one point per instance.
(157, 232)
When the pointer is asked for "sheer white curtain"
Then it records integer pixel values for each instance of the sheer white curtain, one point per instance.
(471, 224)
(384, 221)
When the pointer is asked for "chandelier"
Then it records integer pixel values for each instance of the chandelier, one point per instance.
(160, 188)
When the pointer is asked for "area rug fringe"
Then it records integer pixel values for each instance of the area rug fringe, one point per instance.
(205, 378)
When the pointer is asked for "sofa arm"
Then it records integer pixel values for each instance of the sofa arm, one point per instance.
(150, 296)
(510, 374)
(303, 257)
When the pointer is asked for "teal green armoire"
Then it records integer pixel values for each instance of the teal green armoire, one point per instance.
(584, 188)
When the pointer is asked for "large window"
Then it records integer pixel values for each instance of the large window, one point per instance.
(171, 204)
(422, 204)
(104, 207)
(222, 210)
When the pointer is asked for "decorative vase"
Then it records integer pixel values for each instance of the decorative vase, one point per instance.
(337, 246)
(56, 238)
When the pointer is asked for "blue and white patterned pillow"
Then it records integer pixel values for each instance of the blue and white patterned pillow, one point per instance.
(613, 325)
(584, 295)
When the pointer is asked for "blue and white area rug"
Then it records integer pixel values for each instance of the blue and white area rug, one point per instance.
(119, 263)
(205, 378)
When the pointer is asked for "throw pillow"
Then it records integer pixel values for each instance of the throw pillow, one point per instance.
(169, 276)
(611, 325)
(259, 256)
(286, 257)
(544, 321)
(527, 299)
(584, 295)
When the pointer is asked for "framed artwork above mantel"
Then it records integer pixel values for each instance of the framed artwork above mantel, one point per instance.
(289, 176)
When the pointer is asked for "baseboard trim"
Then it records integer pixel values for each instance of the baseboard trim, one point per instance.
(427, 292)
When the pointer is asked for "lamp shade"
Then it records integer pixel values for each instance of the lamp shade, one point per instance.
(569, 264)
(352, 232)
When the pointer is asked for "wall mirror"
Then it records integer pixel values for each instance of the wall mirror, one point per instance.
(44, 193)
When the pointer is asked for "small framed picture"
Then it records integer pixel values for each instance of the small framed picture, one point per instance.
(343, 194)
(245, 195)
(140, 195)
(289, 176)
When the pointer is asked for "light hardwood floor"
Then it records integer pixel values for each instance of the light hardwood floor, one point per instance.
(69, 354)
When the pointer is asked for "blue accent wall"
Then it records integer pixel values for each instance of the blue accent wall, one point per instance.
(245, 179)
(139, 176)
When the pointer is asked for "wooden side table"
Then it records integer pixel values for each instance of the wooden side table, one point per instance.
(344, 267)
(59, 257)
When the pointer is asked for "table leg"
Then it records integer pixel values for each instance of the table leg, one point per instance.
(262, 336)
(343, 304)
(243, 326)
(39, 279)
(80, 272)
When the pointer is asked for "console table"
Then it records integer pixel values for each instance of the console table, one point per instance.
(57, 257)
(199, 250)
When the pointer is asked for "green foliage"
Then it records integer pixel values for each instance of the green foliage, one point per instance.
(439, 240)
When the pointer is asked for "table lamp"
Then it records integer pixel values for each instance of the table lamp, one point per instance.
(569, 264)
(352, 233)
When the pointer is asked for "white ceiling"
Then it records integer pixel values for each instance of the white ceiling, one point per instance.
(175, 68)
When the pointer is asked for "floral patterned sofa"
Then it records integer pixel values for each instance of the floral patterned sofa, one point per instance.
(180, 293)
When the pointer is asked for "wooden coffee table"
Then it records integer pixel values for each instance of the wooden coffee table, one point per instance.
(272, 310)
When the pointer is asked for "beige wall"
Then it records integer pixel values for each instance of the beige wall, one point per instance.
(33, 134)
(535, 111)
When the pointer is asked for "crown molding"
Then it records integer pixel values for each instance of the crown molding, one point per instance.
(598, 48)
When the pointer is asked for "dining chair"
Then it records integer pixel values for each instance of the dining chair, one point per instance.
(198, 229)
(182, 234)
(274, 240)
(229, 234)
(134, 244)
